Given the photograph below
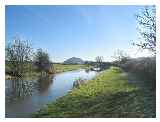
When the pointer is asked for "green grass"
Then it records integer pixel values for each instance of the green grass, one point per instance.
(66, 67)
(107, 95)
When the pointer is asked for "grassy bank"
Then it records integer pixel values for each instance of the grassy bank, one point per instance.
(108, 95)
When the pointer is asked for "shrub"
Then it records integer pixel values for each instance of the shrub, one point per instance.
(42, 62)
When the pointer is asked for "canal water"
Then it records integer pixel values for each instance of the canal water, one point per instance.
(23, 97)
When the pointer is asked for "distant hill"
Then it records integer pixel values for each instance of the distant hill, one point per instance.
(74, 60)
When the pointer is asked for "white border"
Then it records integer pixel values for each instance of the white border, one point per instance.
(71, 2)
(80, 2)
(2, 60)
(158, 61)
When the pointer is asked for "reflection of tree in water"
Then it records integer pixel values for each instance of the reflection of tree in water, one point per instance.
(44, 83)
(20, 88)
(87, 70)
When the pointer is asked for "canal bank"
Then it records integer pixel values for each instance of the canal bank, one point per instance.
(109, 94)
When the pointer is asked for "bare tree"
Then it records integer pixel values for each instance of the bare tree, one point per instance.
(99, 60)
(147, 28)
(18, 53)
(120, 56)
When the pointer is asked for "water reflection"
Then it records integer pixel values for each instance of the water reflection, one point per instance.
(19, 88)
(24, 96)
(87, 70)
(44, 83)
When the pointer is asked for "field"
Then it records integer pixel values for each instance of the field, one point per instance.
(66, 67)
(110, 94)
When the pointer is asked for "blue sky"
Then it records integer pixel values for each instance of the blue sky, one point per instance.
(79, 31)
